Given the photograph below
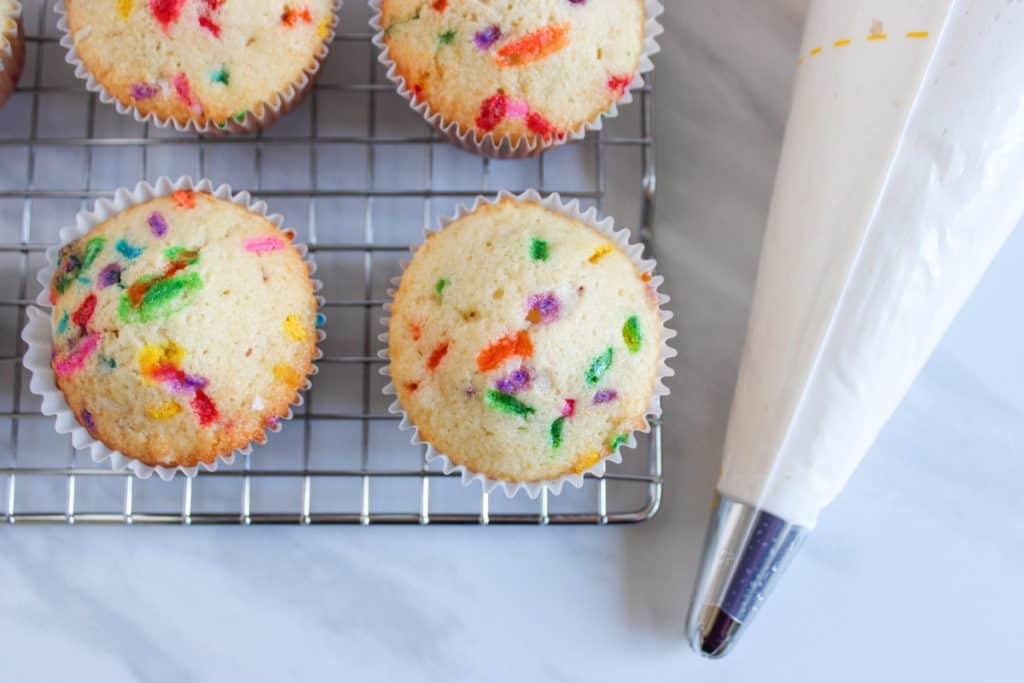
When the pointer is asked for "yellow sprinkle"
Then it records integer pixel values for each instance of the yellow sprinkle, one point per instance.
(816, 51)
(153, 355)
(125, 7)
(324, 29)
(294, 329)
(585, 462)
(287, 375)
(163, 411)
(600, 252)
(917, 34)
(878, 36)
(842, 43)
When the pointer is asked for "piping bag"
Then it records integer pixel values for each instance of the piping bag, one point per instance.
(901, 176)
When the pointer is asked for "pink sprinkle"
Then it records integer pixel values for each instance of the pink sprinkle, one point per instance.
(517, 109)
(258, 245)
(157, 223)
(76, 357)
(184, 90)
(569, 407)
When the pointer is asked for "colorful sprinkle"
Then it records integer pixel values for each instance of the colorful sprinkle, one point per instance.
(75, 359)
(416, 331)
(412, 386)
(108, 363)
(88, 420)
(631, 334)
(84, 314)
(439, 5)
(286, 374)
(618, 84)
(569, 407)
(92, 249)
(539, 250)
(556, 432)
(492, 111)
(185, 199)
(163, 411)
(273, 423)
(487, 37)
(124, 8)
(62, 326)
(180, 258)
(600, 252)
(211, 26)
(152, 357)
(617, 441)
(507, 404)
(585, 462)
(543, 308)
(599, 366)
(534, 46)
(260, 245)
(605, 396)
(436, 356)
(158, 297)
(292, 16)
(157, 224)
(127, 250)
(440, 285)
(204, 408)
(294, 328)
(183, 87)
(221, 76)
(541, 126)
(166, 12)
(144, 91)
(498, 352)
(321, 319)
(447, 37)
(514, 382)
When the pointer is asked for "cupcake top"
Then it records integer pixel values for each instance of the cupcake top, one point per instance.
(535, 70)
(199, 60)
(183, 327)
(524, 345)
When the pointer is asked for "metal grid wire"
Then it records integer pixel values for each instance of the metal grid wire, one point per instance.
(358, 176)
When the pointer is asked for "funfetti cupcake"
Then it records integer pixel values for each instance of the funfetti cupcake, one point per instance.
(12, 47)
(201, 65)
(527, 342)
(513, 78)
(183, 327)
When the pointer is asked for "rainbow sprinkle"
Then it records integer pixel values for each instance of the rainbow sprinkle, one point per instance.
(487, 37)
(62, 326)
(631, 334)
(599, 366)
(83, 315)
(534, 46)
(539, 250)
(75, 359)
(127, 250)
(286, 374)
(605, 396)
(600, 252)
(166, 12)
(619, 84)
(293, 328)
(437, 356)
(440, 285)
(124, 8)
(447, 37)
(221, 76)
(163, 411)
(518, 344)
(157, 224)
(617, 441)
(185, 199)
(507, 404)
(260, 245)
(144, 91)
(569, 407)
(556, 432)
(88, 420)
(156, 297)
(292, 16)
(514, 382)
(204, 408)
(543, 308)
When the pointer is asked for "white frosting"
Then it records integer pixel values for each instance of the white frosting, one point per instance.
(900, 179)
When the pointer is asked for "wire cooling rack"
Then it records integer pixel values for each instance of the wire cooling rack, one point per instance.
(358, 176)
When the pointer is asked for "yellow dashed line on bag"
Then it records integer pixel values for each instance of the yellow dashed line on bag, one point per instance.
(874, 37)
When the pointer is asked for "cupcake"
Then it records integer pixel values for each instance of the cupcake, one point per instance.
(182, 328)
(12, 47)
(514, 78)
(203, 65)
(526, 344)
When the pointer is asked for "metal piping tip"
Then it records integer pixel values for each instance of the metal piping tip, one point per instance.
(747, 549)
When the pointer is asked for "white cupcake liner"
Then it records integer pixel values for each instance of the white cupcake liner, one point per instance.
(504, 148)
(619, 237)
(12, 52)
(38, 332)
(273, 109)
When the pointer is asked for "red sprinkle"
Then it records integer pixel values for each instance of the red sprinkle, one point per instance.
(492, 111)
(619, 83)
(437, 356)
(204, 408)
(291, 16)
(83, 315)
(540, 125)
(210, 25)
(440, 5)
(184, 90)
(569, 408)
(166, 12)
(412, 386)
(416, 331)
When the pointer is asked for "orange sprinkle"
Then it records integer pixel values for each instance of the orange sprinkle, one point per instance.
(440, 5)
(437, 356)
(646, 277)
(534, 316)
(534, 46)
(416, 331)
(600, 253)
(495, 354)
(412, 386)
(185, 199)
(291, 16)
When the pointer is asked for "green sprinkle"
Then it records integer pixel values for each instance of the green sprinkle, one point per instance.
(631, 334)
(440, 285)
(617, 441)
(556, 432)
(92, 249)
(448, 37)
(165, 298)
(108, 363)
(173, 253)
(62, 327)
(539, 250)
(507, 403)
(221, 76)
(599, 366)
(241, 116)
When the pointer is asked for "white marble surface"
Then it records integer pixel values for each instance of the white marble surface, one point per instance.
(914, 573)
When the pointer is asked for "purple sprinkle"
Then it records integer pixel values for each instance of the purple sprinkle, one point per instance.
(157, 223)
(143, 91)
(272, 422)
(515, 381)
(605, 396)
(577, 2)
(487, 37)
(187, 384)
(87, 418)
(110, 275)
(546, 305)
